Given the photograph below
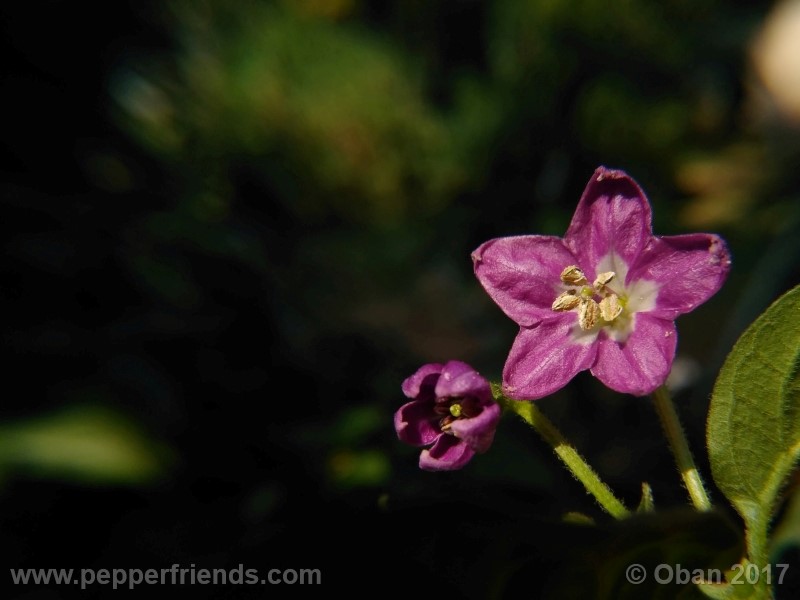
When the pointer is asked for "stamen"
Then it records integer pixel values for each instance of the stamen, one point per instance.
(455, 409)
(566, 301)
(597, 304)
(588, 314)
(572, 275)
(610, 308)
(603, 279)
(469, 407)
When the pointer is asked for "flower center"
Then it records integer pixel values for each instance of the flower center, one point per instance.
(452, 409)
(597, 304)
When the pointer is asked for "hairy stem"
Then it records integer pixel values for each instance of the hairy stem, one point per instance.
(680, 449)
(574, 462)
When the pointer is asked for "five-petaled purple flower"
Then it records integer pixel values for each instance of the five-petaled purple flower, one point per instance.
(604, 297)
(452, 409)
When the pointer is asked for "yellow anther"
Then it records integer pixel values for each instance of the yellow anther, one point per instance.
(572, 275)
(603, 278)
(566, 301)
(588, 314)
(610, 308)
(455, 409)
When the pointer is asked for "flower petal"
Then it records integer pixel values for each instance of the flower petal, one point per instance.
(447, 454)
(613, 216)
(545, 357)
(415, 423)
(522, 274)
(413, 384)
(478, 432)
(688, 269)
(642, 362)
(459, 379)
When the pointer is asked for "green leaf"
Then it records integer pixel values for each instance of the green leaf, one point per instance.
(735, 586)
(646, 504)
(716, 591)
(754, 419)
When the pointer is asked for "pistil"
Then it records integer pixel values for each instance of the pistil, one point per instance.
(450, 409)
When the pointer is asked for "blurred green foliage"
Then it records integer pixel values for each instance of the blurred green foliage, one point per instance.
(334, 112)
(382, 142)
(88, 444)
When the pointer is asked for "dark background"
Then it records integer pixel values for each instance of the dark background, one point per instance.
(231, 229)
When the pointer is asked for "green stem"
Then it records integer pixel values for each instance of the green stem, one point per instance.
(756, 541)
(680, 449)
(531, 414)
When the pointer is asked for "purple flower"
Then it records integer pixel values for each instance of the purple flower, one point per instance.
(452, 409)
(604, 297)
